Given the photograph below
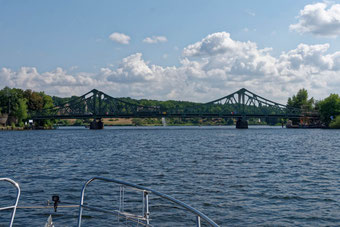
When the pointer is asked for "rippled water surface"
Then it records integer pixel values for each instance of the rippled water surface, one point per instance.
(260, 176)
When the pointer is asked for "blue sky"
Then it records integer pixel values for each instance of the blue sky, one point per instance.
(67, 43)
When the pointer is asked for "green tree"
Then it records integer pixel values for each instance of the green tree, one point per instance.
(78, 122)
(301, 101)
(137, 121)
(47, 100)
(20, 111)
(35, 101)
(335, 123)
(329, 108)
(12, 102)
(4, 100)
(9, 99)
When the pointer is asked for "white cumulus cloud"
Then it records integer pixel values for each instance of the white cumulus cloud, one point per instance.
(155, 39)
(120, 38)
(131, 69)
(320, 19)
(211, 68)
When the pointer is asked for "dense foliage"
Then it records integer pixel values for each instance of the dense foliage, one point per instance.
(301, 101)
(329, 109)
(18, 103)
(335, 123)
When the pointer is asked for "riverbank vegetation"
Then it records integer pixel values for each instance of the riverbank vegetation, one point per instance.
(328, 108)
(16, 105)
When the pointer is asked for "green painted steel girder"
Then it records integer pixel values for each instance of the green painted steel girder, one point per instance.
(96, 104)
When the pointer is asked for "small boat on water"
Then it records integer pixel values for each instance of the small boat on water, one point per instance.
(142, 219)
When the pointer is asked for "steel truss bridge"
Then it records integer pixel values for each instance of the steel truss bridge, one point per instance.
(240, 104)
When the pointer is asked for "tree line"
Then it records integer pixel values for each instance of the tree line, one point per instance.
(18, 104)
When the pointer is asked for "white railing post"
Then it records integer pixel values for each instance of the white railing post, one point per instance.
(146, 213)
(198, 221)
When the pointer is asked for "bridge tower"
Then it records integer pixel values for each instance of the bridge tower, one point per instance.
(97, 101)
(242, 122)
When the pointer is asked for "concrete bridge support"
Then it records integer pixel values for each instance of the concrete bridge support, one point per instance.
(97, 124)
(242, 123)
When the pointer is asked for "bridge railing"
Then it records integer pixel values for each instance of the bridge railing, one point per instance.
(146, 192)
(15, 205)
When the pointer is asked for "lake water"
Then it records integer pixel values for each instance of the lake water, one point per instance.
(261, 176)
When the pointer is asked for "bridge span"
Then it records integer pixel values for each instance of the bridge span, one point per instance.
(240, 105)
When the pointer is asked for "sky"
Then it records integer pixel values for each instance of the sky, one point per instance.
(189, 50)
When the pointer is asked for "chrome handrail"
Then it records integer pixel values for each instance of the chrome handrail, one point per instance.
(14, 207)
(199, 215)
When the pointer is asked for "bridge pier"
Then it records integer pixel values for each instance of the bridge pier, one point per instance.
(97, 124)
(241, 123)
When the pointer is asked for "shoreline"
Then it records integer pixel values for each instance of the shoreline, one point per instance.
(10, 128)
